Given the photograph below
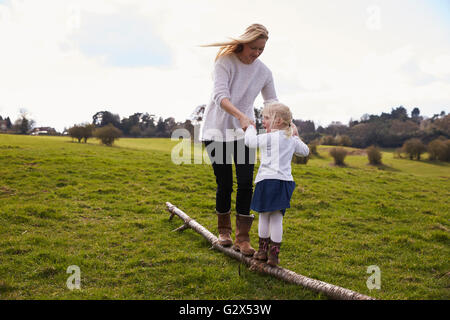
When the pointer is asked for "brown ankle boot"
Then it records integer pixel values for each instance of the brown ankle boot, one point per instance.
(263, 248)
(242, 241)
(224, 226)
(274, 251)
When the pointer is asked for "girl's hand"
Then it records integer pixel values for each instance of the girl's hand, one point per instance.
(294, 130)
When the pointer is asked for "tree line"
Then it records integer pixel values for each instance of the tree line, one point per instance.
(388, 130)
(22, 125)
(139, 125)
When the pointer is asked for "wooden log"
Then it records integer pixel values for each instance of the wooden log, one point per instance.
(330, 290)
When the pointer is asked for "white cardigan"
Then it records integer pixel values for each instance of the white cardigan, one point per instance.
(241, 83)
(276, 153)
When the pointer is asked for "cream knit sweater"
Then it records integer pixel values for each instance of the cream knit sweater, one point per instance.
(241, 83)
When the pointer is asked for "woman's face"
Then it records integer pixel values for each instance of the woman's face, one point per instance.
(252, 50)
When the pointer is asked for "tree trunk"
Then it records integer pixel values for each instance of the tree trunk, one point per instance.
(329, 290)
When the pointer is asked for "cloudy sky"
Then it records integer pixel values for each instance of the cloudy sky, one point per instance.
(64, 60)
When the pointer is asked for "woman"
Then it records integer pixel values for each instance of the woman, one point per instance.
(239, 77)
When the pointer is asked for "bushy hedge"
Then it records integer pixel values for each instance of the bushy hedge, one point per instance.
(81, 132)
(300, 160)
(343, 140)
(414, 148)
(328, 140)
(107, 134)
(374, 155)
(439, 149)
(313, 147)
(338, 155)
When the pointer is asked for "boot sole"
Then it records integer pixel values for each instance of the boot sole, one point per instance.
(249, 254)
(226, 244)
(272, 264)
(260, 259)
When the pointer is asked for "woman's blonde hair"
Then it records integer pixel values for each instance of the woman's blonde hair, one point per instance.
(277, 110)
(252, 33)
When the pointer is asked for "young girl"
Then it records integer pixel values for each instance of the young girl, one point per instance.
(274, 181)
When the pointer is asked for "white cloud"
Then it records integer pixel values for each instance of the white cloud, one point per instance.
(327, 63)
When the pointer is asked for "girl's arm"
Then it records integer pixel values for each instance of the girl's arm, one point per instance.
(301, 149)
(251, 139)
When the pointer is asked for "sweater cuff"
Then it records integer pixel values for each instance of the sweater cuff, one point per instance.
(270, 101)
(220, 98)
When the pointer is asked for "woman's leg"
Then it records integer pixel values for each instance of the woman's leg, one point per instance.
(223, 172)
(224, 180)
(244, 159)
(244, 175)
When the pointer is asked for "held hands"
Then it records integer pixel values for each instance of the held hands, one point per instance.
(231, 109)
(246, 122)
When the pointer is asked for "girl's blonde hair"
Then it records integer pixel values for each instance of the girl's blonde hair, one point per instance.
(277, 110)
(252, 33)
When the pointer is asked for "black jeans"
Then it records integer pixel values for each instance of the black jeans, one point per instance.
(221, 155)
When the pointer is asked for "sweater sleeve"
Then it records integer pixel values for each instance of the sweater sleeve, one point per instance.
(268, 91)
(301, 149)
(221, 79)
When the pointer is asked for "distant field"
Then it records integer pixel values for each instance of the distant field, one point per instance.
(103, 209)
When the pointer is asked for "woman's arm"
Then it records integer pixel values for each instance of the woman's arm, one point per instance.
(222, 95)
(235, 112)
(268, 91)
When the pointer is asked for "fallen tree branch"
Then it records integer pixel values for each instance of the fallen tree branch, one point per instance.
(332, 291)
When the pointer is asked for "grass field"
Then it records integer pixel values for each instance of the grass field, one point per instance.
(103, 209)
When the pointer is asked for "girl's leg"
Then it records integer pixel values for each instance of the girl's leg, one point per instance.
(276, 235)
(263, 225)
(264, 236)
(276, 226)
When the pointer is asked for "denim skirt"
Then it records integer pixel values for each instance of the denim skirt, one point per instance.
(272, 195)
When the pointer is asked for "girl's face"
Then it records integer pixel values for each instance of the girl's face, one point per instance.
(269, 123)
(252, 50)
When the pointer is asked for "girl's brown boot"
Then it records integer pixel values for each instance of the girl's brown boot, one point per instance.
(261, 254)
(274, 251)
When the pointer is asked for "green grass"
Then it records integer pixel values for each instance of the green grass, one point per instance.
(103, 209)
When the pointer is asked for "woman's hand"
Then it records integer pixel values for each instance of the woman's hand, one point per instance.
(235, 112)
(245, 122)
